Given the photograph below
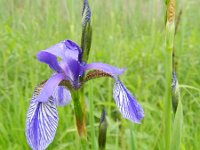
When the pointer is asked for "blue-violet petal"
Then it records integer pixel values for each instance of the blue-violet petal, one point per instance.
(104, 67)
(62, 96)
(126, 103)
(65, 48)
(41, 122)
(49, 87)
(49, 59)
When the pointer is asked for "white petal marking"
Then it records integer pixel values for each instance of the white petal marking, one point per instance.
(41, 122)
(126, 103)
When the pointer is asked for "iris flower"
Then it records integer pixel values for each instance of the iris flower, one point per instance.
(70, 73)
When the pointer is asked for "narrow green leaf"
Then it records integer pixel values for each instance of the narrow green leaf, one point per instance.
(132, 139)
(177, 128)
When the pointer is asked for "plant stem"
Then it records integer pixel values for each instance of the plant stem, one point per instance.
(167, 103)
(80, 116)
(170, 29)
(79, 108)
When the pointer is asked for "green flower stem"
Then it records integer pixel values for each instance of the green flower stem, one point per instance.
(80, 115)
(168, 76)
(170, 28)
(167, 101)
(79, 108)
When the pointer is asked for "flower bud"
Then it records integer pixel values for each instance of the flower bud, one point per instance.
(175, 92)
(102, 131)
(86, 38)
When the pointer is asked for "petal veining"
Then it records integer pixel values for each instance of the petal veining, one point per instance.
(41, 122)
(62, 96)
(49, 87)
(126, 103)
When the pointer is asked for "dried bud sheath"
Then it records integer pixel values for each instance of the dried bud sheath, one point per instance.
(170, 24)
(171, 9)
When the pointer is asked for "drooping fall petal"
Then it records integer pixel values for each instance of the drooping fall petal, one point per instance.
(126, 103)
(41, 122)
(49, 87)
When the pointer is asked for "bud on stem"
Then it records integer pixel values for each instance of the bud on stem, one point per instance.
(102, 131)
(86, 38)
(175, 92)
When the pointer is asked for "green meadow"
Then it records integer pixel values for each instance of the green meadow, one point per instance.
(126, 33)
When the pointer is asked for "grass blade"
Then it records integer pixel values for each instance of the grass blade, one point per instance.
(177, 128)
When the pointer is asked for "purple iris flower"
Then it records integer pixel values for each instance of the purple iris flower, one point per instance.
(70, 73)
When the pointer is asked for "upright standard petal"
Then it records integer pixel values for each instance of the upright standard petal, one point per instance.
(104, 67)
(49, 87)
(62, 96)
(72, 70)
(126, 103)
(41, 122)
(65, 48)
(49, 59)
(73, 50)
(57, 50)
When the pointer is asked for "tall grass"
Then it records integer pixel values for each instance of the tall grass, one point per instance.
(126, 34)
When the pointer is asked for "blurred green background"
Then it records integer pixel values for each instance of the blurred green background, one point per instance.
(126, 33)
